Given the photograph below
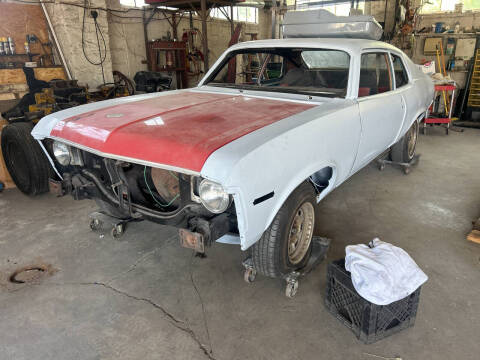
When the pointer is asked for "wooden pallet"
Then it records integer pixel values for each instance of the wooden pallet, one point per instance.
(475, 233)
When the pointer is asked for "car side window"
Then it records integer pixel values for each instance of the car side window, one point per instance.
(375, 74)
(401, 76)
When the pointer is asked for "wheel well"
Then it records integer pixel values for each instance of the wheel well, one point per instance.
(321, 179)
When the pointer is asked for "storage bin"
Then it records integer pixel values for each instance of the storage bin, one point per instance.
(368, 321)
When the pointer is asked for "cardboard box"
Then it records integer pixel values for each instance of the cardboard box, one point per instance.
(428, 68)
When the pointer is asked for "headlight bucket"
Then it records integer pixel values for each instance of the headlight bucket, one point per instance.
(213, 196)
(62, 153)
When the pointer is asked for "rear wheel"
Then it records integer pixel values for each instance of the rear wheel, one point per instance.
(25, 159)
(404, 150)
(286, 245)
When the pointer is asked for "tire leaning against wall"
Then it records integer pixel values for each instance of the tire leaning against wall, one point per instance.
(24, 158)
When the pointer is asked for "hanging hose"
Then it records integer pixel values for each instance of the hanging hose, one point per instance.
(98, 32)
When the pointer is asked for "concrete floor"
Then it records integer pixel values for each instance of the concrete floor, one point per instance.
(144, 297)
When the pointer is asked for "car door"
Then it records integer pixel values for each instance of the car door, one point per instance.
(404, 88)
(381, 109)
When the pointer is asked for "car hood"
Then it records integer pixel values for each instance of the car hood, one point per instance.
(179, 129)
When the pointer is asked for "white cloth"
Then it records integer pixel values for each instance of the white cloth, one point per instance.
(382, 273)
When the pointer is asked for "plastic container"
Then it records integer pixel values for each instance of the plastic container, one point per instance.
(438, 27)
(323, 24)
(368, 321)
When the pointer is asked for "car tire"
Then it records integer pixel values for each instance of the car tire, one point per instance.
(276, 253)
(111, 210)
(25, 160)
(404, 150)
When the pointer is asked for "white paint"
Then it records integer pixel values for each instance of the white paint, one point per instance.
(282, 155)
(279, 157)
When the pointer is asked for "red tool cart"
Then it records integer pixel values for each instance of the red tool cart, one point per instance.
(434, 118)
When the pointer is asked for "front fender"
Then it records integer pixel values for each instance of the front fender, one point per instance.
(276, 159)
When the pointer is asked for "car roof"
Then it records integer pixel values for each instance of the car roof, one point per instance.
(346, 44)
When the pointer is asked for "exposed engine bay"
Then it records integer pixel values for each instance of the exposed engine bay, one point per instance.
(127, 190)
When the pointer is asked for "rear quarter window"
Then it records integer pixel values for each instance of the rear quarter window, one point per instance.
(401, 75)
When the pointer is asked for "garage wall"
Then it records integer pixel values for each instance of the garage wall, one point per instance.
(67, 22)
(377, 9)
(467, 20)
(17, 20)
(127, 38)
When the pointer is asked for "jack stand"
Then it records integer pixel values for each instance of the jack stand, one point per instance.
(320, 247)
(99, 219)
(381, 162)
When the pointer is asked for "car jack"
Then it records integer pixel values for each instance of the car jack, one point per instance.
(320, 247)
(406, 167)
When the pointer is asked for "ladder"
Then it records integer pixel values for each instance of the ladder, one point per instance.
(474, 90)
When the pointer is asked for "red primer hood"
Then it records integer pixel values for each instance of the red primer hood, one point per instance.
(181, 129)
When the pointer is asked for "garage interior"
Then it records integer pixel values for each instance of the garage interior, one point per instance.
(67, 292)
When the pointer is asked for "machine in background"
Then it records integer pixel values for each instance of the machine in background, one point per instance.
(24, 158)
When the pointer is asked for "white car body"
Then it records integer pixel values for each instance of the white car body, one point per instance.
(344, 134)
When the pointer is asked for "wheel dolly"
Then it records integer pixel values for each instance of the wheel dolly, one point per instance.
(382, 161)
(320, 247)
(118, 226)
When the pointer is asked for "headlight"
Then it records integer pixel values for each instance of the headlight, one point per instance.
(213, 196)
(62, 153)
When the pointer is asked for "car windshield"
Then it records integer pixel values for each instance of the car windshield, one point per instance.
(319, 72)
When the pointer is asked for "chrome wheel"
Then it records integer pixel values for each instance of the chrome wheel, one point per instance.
(412, 139)
(300, 234)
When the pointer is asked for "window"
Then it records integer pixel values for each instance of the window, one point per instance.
(133, 3)
(240, 13)
(321, 72)
(401, 76)
(325, 59)
(375, 77)
(339, 9)
(433, 6)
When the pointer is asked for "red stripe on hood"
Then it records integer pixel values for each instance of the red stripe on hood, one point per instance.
(181, 129)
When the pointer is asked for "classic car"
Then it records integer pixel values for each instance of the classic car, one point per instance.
(244, 157)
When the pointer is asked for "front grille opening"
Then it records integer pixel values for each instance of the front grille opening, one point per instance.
(161, 188)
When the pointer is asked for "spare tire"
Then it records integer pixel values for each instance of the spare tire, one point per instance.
(25, 160)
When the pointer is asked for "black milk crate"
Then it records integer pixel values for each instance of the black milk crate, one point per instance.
(368, 321)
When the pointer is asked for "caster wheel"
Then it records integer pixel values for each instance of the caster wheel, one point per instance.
(406, 170)
(381, 167)
(249, 275)
(95, 224)
(291, 289)
(117, 231)
(446, 131)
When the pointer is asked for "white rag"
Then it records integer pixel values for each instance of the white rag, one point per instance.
(382, 273)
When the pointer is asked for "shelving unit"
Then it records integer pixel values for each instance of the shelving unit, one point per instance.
(6, 59)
